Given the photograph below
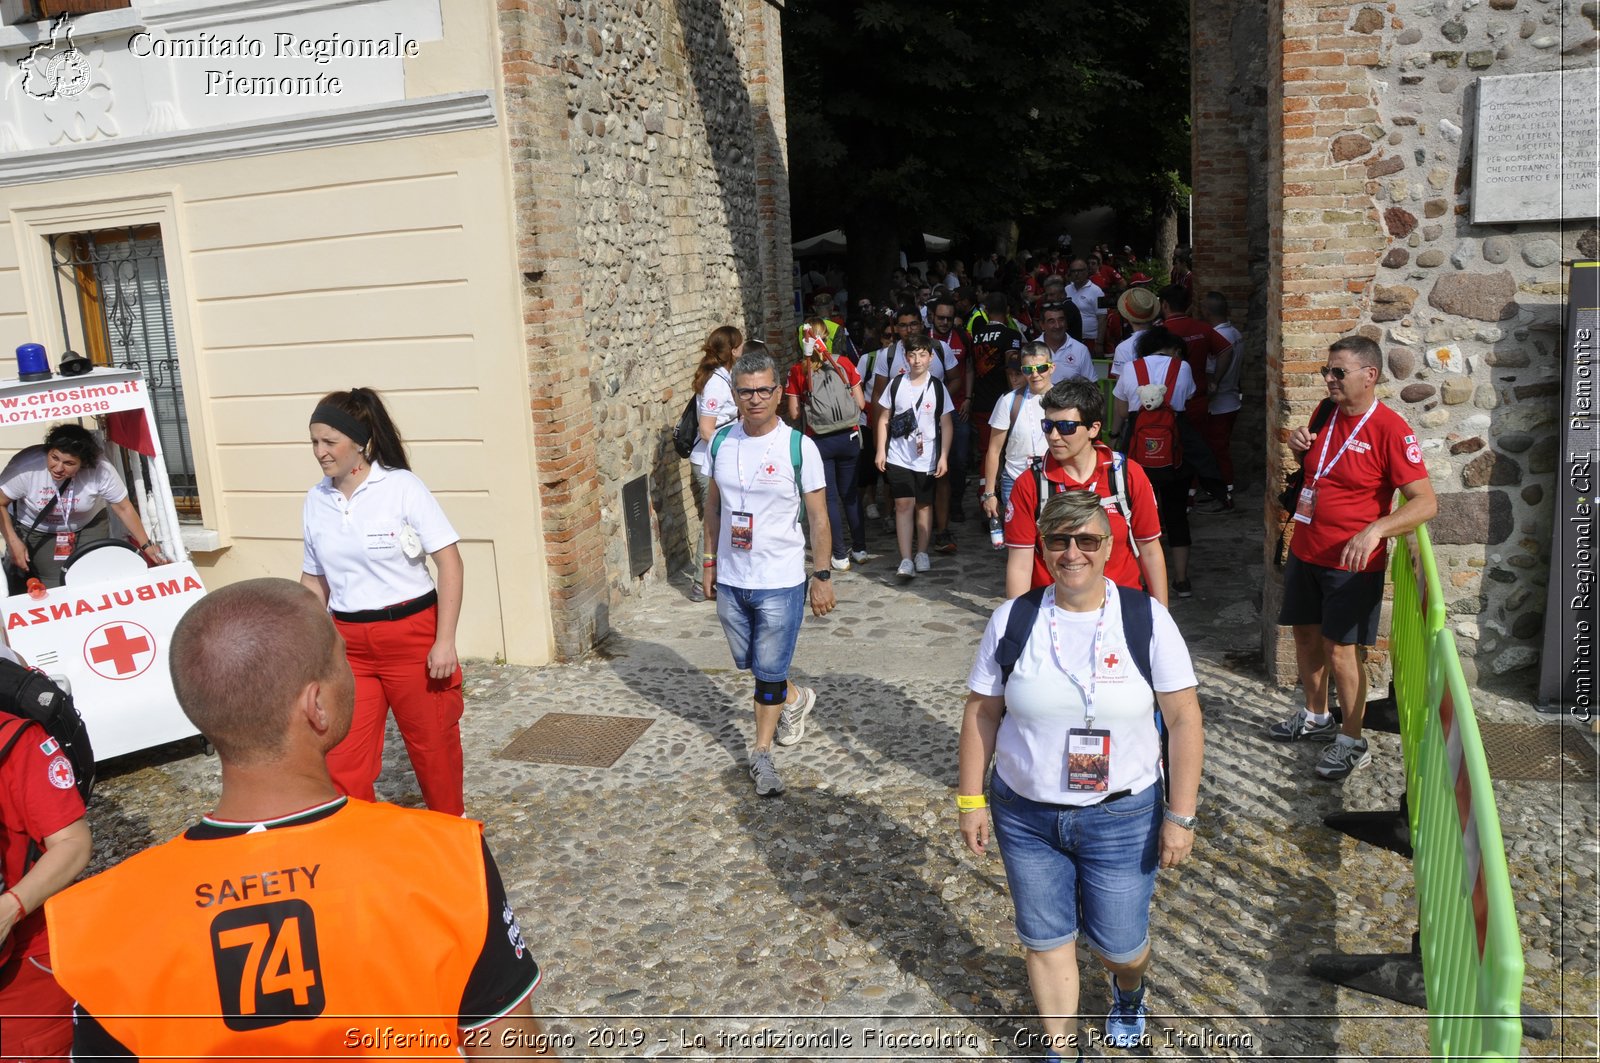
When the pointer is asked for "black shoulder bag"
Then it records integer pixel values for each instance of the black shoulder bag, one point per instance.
(16, 578)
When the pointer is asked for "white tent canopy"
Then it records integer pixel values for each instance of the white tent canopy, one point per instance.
(833, 242)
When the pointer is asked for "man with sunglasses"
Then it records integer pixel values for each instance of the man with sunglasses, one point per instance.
(754, 565)
(1073, 411)
(1333, 583)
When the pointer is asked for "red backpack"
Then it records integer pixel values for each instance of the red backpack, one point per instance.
(1155, 442)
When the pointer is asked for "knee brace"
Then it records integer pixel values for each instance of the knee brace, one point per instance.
(770, 693)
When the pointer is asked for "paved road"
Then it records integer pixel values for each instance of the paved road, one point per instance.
(678, 915)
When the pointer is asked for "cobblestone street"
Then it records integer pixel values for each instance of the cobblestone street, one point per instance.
(675, 914)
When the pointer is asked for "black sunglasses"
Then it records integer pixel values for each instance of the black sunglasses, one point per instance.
(1087, 542)
(1335, 372)
(1066, 428)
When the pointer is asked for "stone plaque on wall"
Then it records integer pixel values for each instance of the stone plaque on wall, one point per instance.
(1537, 155)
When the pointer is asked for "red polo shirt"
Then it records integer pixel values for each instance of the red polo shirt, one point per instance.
(1022, 529)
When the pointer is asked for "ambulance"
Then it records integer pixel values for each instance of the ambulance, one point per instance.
(107, 629)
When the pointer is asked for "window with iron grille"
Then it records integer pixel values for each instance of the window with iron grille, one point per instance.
(111, 288)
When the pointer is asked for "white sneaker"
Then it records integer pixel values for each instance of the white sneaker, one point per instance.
(872, 511)
(841, 564)
(792, 721)
(906, 570)
(922, 563)
(859, 557)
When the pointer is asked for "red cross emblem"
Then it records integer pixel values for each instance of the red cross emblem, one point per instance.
(1111, 660)
(119, 650)
(60, 774)
(772, 470)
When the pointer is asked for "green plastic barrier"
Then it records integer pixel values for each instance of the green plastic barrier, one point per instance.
(1416, 618)
(1471, 954)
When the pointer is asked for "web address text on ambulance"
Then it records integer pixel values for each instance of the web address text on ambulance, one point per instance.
(64, 402)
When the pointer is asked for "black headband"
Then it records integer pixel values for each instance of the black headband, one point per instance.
(334, 417)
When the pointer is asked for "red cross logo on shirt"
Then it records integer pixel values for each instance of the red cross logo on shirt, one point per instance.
(119, 650)
(772, 470)
(1111, 660)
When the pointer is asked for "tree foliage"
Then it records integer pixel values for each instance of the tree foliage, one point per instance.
(906, 113)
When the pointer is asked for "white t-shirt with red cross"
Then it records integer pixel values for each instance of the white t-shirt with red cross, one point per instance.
(756, 491)
(923, 398)
(715, 400)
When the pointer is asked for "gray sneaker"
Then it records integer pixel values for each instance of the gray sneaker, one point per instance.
(1297, 727)
(1343, 757)
(792, 723)
(765, 773)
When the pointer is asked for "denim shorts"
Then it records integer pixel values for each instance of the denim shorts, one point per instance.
(1090, 869)
(766, 622)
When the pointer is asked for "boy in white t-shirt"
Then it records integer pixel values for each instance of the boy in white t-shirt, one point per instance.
(914, 432)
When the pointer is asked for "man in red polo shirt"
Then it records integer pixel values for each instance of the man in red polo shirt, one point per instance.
(1333, 584)
(1077, 463)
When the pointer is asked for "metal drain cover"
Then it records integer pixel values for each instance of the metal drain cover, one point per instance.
(579, 738)
(1537, 752)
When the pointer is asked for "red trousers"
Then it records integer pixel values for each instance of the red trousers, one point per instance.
(390, 662)
(35, 1012)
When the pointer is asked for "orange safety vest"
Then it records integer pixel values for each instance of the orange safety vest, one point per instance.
(352, 935)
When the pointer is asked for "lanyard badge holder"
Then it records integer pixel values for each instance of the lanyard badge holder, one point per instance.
(1306, 505)
(66, 538)
(1088, 747)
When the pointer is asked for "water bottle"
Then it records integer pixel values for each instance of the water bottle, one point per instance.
(997, 533)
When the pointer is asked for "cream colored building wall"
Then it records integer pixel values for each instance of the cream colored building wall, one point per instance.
(388, 264)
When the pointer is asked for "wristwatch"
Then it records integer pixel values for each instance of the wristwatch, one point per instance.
(986, 497)
(824, 575)
(1186, 822)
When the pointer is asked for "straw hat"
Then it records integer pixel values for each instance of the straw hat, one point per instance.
(1138, 306)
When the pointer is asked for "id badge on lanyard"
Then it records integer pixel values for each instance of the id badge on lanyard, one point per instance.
(1306, 505)
(741, 530)
(66, 539)
(1088, 760)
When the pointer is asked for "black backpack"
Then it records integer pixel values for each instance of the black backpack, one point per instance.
(29, 695)
(687, 434)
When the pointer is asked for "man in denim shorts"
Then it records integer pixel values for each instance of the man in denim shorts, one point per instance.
(1333, 583)
(763, 476)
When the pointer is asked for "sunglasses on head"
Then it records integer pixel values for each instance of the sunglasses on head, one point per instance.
(1037, 370)
(1087, 542)
(1066, 428)
(751, 393)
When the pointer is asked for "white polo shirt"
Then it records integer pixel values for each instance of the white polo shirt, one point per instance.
(1043, 703)
(354, 543)
(1072, 359)
(1086, 297)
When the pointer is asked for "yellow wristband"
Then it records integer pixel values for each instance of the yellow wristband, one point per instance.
(971, 802)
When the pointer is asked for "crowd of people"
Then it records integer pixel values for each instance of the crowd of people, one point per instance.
(1081, 743)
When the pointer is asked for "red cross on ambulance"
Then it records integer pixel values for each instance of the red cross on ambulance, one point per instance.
(119, 650)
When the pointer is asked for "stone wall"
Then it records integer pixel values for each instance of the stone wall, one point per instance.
(1373, 181)
(653, 199)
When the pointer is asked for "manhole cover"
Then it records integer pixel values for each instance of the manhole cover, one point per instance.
(579, 738)
(1537, 752)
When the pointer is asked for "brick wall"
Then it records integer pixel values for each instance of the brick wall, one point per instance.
(1370, 188)
(647, 157)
